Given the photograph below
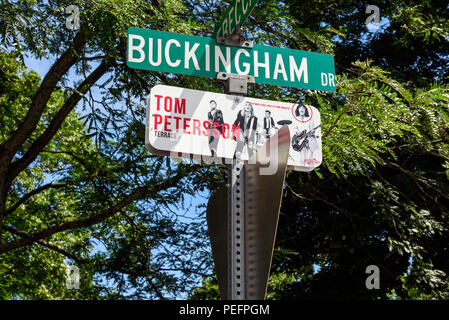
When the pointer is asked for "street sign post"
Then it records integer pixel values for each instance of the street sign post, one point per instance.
(235, 15)
(242, 252)
(201, 56)
(213, 126)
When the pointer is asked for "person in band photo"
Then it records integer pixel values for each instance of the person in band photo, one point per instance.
(304, 140)
(302, 112)
(268, 124)
(214, 116)
(247, 122)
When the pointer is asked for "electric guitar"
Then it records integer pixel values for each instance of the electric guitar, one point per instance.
(299, 140)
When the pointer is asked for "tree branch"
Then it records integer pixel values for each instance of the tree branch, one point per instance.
(136, 194)
(30, 194)
(48, 245)
(350, 216)
(57, 121)
(60, 67)
(417, 144)
(417, 180)
(340, 115)
(71, 154)
(92, 58)
(433, 154)
(335, 122)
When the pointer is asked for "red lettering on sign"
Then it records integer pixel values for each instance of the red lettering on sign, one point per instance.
(171, 122)
(167, 123)
(234, 130)
(196, 126)
(186, 125)
(180, 108)
(157, 120)
(168, 107)
(225, 130)
(158, 102)
(311, 161)
(206, 125)
(216, 133)
(177, 123)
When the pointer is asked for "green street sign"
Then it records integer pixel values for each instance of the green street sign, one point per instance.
(199, 56)
(235, 14)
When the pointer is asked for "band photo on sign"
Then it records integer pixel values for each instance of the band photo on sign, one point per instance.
(220, 126)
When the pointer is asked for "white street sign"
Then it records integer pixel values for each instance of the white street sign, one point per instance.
(213, 127)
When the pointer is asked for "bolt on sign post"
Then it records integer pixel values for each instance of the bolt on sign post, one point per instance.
(202, 56)
(237, 12)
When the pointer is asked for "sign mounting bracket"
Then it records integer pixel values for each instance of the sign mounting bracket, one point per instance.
(235, 83)
(235, 39)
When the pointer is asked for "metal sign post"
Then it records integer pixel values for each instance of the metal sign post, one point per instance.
(251, 214)
(242, 224)
(236, 232)
(236, 258)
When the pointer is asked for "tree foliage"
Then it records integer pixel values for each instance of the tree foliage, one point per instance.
(381, 195)
(77, 184)
(78, 187)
